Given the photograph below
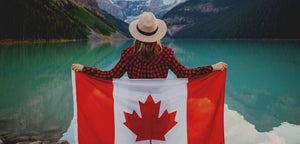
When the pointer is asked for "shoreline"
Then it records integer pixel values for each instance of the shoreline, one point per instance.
(34, 142)
(24, 140)
(94, 36)
(12, 41)
(51, 135)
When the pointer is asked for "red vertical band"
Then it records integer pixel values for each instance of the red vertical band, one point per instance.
(205, 107)
(95, 110)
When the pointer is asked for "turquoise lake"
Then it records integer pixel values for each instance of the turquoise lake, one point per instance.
(262, 97)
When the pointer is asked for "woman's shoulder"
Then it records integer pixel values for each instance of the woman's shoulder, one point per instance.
(167, 50)
(128, 50)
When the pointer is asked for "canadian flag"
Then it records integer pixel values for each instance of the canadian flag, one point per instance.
(149, 111)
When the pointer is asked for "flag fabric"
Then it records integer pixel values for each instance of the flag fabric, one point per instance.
(143, 111)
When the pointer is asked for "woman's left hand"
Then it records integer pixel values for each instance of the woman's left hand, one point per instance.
(77, 67)
(219, 66)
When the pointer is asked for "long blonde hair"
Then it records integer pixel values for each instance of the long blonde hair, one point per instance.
(145, 50)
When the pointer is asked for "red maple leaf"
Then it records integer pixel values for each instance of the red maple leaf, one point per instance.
(150, 126)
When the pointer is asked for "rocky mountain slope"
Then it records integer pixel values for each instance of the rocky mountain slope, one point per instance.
(128, 10)
(90, 4)
(112, 9)
(93, 5)
(234, 19)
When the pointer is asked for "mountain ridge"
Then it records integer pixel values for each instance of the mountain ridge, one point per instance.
(129, 10)
(244, 19)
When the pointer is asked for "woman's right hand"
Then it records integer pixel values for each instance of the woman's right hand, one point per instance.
(77, 67)
(219, 66)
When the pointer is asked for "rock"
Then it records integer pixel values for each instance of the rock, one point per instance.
(112, 9)
(1, 142)
(36, 138)
(94, 36)
(24, 142)
(32, 132)
(36, 142)
(21, 139)
(52, 129)
(63, 142)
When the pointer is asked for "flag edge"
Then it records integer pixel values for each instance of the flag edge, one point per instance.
(75, 107)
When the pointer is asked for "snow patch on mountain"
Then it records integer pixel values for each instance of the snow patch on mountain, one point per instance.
(129, 10)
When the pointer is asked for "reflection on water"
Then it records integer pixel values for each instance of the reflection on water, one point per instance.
(262, 91)
(239, 131)
(35, 84)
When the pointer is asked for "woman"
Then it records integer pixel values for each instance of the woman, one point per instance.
(147, 58)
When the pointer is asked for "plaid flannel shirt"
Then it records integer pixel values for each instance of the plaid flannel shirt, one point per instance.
(156, 67)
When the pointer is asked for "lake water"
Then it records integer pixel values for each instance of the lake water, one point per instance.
(262, 97)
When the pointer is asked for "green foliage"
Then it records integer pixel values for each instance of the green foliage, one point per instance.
(118, 24)
(91, 19)
(47, 19)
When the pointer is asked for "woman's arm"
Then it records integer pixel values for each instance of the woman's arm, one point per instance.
(182, 72)
(116, 72)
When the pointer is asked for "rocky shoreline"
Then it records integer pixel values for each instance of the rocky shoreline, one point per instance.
(49, 136)
(34, 142)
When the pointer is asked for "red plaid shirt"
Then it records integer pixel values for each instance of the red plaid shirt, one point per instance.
(156, 67)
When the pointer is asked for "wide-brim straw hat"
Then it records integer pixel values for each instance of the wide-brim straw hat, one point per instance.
(147, 28)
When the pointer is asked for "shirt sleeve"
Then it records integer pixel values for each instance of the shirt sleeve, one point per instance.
(116, 72)
(182, 72)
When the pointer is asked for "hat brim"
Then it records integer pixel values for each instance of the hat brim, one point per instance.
(161, 32)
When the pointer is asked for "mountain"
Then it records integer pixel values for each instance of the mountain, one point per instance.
(53, 19)
(129, 10)
(112, 9)
(234, 19)
(90, 5)
(93, 6)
